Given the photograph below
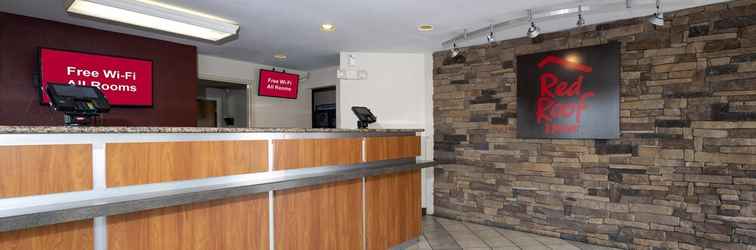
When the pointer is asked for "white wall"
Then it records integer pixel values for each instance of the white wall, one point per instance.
(394, 90)
(399, 91)
(322, 77)
(264, 111)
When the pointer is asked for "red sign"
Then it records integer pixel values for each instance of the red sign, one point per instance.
(123, 81)
(278, 84)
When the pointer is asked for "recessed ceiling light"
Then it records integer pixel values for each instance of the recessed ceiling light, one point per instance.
(327, 27)
(425, 27)
(280, 56)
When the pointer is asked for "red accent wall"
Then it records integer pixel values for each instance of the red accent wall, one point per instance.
(174, 82)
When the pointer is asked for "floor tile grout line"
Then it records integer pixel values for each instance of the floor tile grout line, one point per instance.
(426, 237)
(505, 237)
(542, 243)
(445, 231)
(476, 235)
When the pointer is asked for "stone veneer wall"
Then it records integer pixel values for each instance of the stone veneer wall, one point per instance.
(683, 173)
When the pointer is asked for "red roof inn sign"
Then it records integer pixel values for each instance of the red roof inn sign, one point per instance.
(569, 93)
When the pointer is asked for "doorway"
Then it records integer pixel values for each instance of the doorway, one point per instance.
(207, 113)
(324, 107)
(222, 104)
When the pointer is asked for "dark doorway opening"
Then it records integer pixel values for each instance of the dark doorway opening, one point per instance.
(222, 104)
(324, 107)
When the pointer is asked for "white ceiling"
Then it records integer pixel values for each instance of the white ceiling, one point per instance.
(292, 27)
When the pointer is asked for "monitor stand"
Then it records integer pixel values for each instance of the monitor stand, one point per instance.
(75, 120)
(362, 125)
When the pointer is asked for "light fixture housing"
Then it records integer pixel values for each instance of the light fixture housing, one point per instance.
(327, 27)
(581, 20)
(280, 56)
(491, 38)
(425, 27)
(534, 31)
(454, 50)
(158, 16)
(658, 17)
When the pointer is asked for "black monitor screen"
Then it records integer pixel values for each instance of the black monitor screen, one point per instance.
(74, 91)
(364, 114)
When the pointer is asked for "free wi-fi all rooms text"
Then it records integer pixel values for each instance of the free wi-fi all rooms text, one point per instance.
(115, 75)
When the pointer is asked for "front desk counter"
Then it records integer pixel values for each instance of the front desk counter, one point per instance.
(122, 188)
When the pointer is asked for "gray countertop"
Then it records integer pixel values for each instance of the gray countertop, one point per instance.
(142, 130)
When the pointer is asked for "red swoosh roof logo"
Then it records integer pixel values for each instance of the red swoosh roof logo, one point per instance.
(551, 59)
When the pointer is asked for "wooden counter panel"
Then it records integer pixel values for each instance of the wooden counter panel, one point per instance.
(67, 236)
(44, 169)
(292, 154)
(239, 223)
(393, 209)
(144, 163)
(321, 217)
(392, 147)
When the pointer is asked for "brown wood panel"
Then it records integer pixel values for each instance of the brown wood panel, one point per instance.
(320, 217)
(239, 223)
(44, 169)
(67, 236)
(292, 154)
(143, 163)
(392, 147)
(393, 209)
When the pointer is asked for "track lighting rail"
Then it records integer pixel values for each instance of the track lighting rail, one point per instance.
(548, 13)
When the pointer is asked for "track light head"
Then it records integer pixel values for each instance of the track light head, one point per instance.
(658, 17)
(454, 50)
(490, 37)
(581, 20)
(534, 31)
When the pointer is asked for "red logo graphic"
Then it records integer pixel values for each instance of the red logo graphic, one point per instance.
(551, 105)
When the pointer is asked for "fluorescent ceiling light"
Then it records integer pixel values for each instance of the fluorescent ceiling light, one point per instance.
(159, 16)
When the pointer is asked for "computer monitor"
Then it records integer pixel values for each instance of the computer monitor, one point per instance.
(79, 103)
(364, 115)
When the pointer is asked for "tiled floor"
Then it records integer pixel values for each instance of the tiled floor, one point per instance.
(440, 233)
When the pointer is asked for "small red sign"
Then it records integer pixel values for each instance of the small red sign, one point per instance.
(278, 84)
(123, 81)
